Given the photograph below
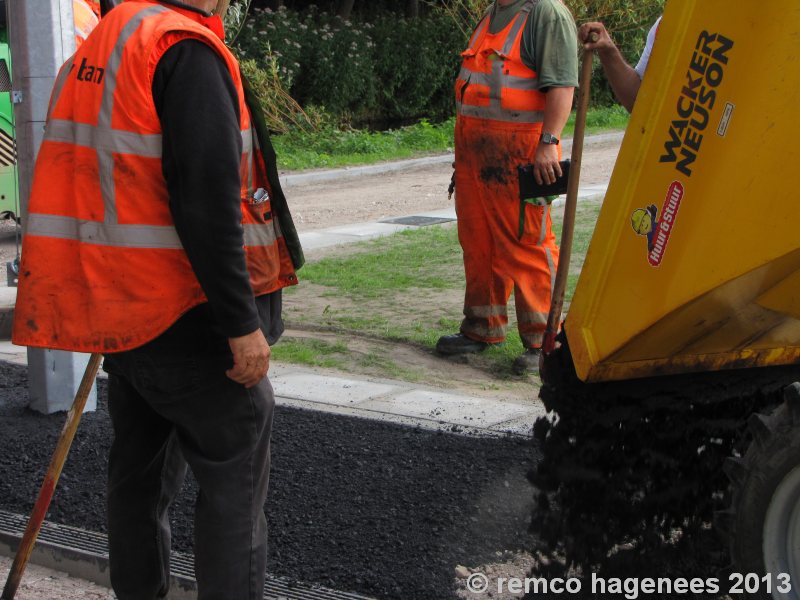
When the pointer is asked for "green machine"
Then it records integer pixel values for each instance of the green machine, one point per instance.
(9, 192)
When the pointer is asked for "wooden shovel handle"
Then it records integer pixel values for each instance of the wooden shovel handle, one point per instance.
(567, 230)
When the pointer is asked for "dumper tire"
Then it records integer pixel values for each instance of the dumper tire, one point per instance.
(764, 529)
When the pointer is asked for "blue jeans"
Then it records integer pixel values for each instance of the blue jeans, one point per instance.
(171, 404)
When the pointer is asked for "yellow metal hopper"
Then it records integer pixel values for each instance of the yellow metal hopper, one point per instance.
(695, 261)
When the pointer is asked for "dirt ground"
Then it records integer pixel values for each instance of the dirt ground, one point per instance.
(39, 583)
(378, 197)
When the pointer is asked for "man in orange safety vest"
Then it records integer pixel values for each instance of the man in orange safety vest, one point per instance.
(513, 97)
(158, 235)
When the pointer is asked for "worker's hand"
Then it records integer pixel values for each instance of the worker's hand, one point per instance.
(545, 164)
(250, 358)
(594, 36)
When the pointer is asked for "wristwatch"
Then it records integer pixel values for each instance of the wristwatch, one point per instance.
(548, 138)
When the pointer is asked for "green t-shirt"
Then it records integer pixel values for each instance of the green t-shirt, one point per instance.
(549, 41)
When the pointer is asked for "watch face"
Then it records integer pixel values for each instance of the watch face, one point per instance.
(549, 138)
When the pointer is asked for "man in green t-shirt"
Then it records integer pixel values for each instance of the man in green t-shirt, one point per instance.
(513, 97)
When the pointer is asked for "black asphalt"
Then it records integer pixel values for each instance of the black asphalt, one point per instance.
(356, 505)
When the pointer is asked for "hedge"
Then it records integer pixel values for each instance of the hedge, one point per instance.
(395, 70)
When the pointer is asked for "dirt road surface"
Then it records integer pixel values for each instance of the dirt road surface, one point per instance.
(39, 583)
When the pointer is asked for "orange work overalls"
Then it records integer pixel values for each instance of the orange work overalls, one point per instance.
(499, 120)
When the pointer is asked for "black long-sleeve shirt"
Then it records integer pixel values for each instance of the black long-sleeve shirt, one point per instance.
(197, 104)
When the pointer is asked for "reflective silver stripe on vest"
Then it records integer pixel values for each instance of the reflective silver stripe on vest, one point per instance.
(497, 80)
(551, 265)
(519, 21)
(533, 318)
(107, 140)
(61, 79)
(276, 224)
(486, 311)
(478, 30)
(259, 235)
(105, 158)
(498, 113)
(543, 225)
(247, 140)
(129, 236)
(115, 140)
(104, 234)
(506, 81)
(248, 159)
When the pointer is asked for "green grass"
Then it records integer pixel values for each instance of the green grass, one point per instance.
(409, 287)
(387, 366)
(311, 352)
(421, 258)
(331, 147)
(607, 118)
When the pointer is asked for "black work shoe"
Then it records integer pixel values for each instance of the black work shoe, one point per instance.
(458, 343)
(528, 362)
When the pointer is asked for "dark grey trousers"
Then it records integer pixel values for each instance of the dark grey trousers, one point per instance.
(172, 404)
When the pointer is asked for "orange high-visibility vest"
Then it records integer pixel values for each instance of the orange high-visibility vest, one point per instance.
(103, 269)
(494, 84)
(85, 19)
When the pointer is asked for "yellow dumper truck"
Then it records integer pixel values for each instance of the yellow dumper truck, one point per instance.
(673, 383)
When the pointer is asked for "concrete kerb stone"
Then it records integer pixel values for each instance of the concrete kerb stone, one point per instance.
(385, 400)
(402, 403)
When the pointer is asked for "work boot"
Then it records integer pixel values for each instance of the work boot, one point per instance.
(458, 343)
(527, 363)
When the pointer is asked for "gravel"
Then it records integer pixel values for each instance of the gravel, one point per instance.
(356, 505)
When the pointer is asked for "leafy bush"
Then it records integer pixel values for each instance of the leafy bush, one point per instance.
(394, 69)
(338, 72)
(323, 60)
(275, 36)
(397, 70)
(416, 63)
(628, 22)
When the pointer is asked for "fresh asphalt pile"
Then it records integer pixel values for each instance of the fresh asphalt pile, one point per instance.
(355, 505)
(631, 474)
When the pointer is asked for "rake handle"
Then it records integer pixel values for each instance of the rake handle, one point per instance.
(50, 479)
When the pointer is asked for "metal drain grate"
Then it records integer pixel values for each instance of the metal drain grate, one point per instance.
(419, 221)
(84, 554)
